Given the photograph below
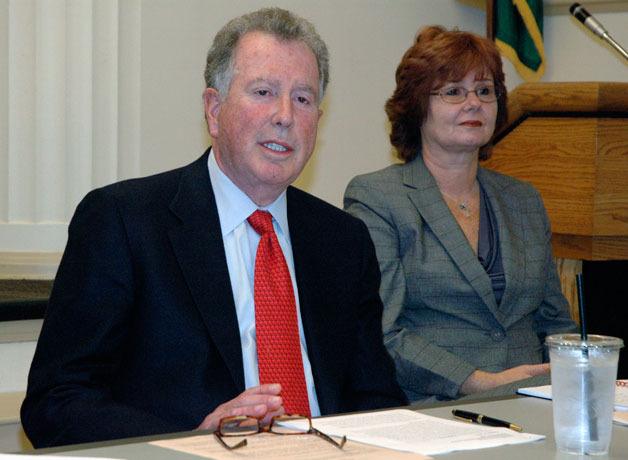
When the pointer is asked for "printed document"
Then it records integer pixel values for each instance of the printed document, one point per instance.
(273, 446)
(411, 431)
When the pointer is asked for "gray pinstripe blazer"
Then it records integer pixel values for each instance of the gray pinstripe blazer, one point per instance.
(441, 321)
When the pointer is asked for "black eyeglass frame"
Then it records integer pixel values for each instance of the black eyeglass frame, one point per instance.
(441, 92)
(219, 434)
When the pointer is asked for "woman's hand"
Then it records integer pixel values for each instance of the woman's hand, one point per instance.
(482, 381)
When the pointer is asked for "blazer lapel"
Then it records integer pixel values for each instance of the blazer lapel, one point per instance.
(423, 192)
(198, 246)
(309, 265)
(511, 244)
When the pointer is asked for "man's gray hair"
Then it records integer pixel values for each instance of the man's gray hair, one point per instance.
(280, 23)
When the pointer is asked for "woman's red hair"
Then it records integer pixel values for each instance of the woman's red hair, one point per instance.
(436, 57)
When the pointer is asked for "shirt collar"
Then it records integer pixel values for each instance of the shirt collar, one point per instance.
(235, 206)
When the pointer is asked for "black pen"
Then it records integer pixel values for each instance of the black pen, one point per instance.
(484, 420)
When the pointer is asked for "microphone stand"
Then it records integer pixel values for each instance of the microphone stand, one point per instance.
(615, 45)
(596, 27)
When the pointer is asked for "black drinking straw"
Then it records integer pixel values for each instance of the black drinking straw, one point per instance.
(587, 377)
(583, 321)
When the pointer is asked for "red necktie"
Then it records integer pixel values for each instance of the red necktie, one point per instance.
(276, 326)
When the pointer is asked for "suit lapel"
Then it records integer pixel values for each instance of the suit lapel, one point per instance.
(316, 312)
(198, 246)
(511, 244)
(423, 192)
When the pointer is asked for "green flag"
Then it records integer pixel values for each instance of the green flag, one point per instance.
(519, 35)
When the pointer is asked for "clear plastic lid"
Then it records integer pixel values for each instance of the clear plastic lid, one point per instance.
(575, 341)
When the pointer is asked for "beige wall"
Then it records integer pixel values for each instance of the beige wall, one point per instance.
(366, 39)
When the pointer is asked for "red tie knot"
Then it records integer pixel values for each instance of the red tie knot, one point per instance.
(262, 222)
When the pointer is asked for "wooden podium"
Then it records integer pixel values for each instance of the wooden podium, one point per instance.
(571, 141)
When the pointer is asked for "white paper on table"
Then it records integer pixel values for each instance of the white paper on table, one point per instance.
(407, 430)
(620, 416)
(545, 392)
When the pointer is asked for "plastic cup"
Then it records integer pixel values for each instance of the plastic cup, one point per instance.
(583, 391)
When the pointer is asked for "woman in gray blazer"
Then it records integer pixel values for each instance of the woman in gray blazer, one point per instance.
(468, 280)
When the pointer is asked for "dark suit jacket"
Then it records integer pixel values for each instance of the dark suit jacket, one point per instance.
(441, 319)
(141, 334)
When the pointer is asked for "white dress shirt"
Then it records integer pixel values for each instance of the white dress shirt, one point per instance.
(240, 241)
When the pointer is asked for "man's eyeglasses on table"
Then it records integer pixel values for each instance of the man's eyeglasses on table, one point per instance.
(241, 425)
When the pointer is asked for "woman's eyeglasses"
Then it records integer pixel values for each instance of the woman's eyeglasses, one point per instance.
(458, 94)
(242, 425)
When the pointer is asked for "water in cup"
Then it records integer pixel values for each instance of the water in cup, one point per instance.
(583, 391)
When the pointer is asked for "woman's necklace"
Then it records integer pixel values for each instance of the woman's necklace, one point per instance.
(464, 208)
(461, 204)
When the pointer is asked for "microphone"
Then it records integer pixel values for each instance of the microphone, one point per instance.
(595, 26)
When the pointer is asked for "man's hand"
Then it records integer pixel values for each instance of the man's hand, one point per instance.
(262, 402)
(483, 381)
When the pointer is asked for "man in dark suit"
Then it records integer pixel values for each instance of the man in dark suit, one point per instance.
(151, 325)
